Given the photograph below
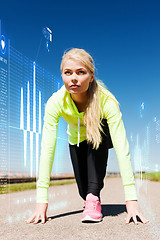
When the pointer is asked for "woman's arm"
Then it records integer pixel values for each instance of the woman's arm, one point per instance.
(121, 147)
(48, 144)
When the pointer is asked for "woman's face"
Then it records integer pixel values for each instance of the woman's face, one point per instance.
(76, 76)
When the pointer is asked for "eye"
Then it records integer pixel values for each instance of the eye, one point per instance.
(67, 72)
(81, 72)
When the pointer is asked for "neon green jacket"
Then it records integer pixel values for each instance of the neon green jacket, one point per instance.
(60, 104)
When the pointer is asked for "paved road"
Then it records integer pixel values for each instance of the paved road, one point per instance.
(65, 209)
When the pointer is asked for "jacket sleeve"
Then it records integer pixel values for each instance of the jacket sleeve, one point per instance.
(121, 147)
(48, 144)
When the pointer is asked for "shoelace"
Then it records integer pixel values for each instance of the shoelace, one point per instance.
(92, 204)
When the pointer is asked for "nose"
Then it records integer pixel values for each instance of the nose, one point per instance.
(74, 78)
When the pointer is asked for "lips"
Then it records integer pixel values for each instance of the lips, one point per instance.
(74, 86)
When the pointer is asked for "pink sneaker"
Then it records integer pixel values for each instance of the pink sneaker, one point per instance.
(92, 211)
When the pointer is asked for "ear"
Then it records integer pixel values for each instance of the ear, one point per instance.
(92, 77)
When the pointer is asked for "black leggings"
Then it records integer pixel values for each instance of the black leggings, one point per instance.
(89, 165)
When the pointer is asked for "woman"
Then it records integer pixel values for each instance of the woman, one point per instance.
(94, 124)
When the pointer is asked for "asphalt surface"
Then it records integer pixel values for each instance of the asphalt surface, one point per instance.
(65, 210)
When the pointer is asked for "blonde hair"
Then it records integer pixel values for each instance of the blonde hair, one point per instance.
(92, 113)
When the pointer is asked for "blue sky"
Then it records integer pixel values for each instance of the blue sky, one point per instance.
(122, 36)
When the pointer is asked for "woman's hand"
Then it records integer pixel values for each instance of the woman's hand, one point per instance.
(133, 210)
(39, 214)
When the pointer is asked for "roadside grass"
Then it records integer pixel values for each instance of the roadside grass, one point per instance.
(153, 176)
(9, 188)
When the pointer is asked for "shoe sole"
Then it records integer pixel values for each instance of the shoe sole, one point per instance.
(89, 219)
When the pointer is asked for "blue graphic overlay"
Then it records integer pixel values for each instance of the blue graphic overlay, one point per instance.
(2, 44)
(3, 110)
(25, 88)
(145, 148)
(48, 36)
